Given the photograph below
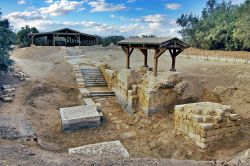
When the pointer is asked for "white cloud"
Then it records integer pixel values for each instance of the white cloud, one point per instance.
(49, 1)
(155, 21)
(158, 24)
(21, 2)
(139, 8)
(62, 7)
(27, 15)
(237, 1)
(173, 6)
(131, 1)
(103, 6)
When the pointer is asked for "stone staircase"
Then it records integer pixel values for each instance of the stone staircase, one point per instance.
(93, 78)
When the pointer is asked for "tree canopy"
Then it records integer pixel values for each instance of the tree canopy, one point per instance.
(22, 35)
(106, 41)
(221, 26)
(7, 38)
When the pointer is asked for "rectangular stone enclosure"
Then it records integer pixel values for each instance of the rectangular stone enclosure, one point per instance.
(79, 117)
(206, 123)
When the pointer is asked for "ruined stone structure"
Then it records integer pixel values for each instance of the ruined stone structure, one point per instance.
(140, 90)
(206, 123)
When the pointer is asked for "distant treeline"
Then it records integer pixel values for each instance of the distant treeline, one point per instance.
(221, 26)
(106, 41)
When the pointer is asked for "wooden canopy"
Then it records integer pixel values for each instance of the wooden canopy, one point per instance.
(65, 37)
(159, 45)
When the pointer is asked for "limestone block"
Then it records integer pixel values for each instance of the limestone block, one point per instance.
(201, 145)
(234, 117)
(8, 95)
(7, 99)
(84, 92)
(111, 149)
(74, 118)
(81, 85)
(10, 90)
(88, 101)
(206, 126)
(98, 107)
(5, 87)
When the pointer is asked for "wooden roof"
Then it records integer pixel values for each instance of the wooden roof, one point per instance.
(155, 42)
(64, 31)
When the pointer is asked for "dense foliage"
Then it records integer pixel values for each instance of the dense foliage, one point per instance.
(106, 41)
(22, 35)
(7, 38)
(221, 26)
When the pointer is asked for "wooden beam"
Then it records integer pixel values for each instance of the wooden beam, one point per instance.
(159, 52)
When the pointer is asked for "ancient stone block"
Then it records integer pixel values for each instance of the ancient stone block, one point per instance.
(110, 149)
(74, 118)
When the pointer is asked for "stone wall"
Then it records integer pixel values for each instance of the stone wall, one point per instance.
(140, 90)
(206, 123)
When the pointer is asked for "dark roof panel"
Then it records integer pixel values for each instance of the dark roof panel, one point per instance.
(152, 41)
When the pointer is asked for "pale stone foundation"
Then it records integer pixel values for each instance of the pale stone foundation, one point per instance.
(206, 123)
(140, 90)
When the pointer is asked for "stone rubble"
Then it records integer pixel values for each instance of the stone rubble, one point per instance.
(8, 93)
(206, 123)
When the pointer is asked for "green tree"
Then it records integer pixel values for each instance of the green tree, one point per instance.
(242, 32)
(22, 35)
(7, 38)
(221, 26)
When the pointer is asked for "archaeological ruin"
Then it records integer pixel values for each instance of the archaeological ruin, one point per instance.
(206, 123)
(146, 90)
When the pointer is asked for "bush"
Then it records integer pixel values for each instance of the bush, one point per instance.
(7, 38)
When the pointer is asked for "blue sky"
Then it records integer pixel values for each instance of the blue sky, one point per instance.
(102, 17)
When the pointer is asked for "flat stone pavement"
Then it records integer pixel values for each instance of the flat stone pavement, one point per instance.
(112, 148)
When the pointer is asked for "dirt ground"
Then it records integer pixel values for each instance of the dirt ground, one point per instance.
(53, 86)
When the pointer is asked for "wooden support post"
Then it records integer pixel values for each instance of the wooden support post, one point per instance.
(174, 52)
(32, 42)
(79, 40)
(145, 53)
(155, 66)
(128, 53)
(54, 41)
(158, 53)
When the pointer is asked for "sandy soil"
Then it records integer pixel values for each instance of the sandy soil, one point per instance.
(53, 86)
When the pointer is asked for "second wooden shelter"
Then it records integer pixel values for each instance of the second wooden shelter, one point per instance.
(158, 44)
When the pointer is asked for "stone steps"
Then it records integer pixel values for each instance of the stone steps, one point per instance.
(93, 77)
(97, 85)
(101, 94)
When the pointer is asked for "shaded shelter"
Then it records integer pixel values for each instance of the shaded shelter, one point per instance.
(158, 44)
(64, 37)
